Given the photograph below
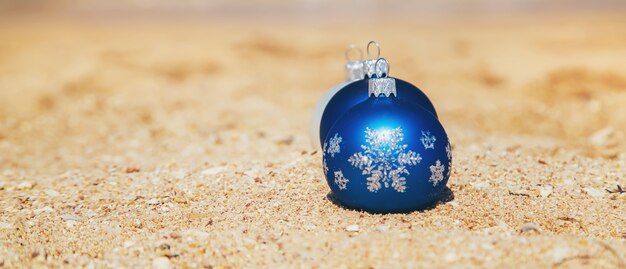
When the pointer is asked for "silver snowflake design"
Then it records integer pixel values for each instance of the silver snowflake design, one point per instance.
(384, 159)
(428, 140)
(333, 145)
(340, 180)
(436, 173)
(325, 166)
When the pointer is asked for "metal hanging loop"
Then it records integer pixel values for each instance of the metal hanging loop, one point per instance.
(351, 48)
(382, 71)
(369, 56)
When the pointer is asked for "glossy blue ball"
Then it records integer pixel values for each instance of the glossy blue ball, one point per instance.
(387, 155)
(356, 92)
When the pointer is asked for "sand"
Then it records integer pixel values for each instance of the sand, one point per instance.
(137, 144)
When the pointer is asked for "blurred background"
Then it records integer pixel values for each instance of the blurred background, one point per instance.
(151, 75)
(306, 9)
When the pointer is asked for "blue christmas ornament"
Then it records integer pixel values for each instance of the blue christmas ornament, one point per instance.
(356, 92)
(387, 155)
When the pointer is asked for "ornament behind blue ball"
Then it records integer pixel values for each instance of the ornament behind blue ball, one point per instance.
(356, 92)
(387, 155)
(354, 71)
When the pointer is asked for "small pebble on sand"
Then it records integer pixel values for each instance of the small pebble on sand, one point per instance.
(26, 185)
(593, 192)
(70, 223)
(132, 169)
(530, 227)
(479, 184)
(51, 193)
(45, 209)
(69, 217)
(213, 171)
(352, 228)
(128, 243)
(161, 263)
(545, 191)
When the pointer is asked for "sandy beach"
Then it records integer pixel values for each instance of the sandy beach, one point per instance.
(185, 144)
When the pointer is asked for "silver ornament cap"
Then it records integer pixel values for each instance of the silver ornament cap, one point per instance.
(381, 83)
(372, 68)
(354, 68)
